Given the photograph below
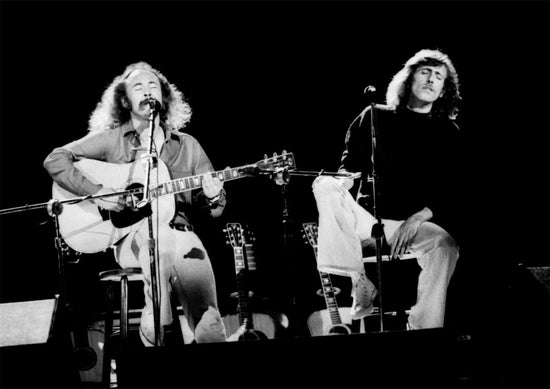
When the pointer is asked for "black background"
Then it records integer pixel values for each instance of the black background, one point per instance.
(262, 77)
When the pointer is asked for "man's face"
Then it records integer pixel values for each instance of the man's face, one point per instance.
(142, 85)
(427, 85)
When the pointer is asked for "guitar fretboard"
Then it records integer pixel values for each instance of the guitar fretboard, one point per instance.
(194, 182)
(245, 315)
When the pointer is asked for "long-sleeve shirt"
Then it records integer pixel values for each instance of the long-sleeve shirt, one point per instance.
(182, 154)
(417, 164)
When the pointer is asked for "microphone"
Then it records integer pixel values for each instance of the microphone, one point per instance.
(369, 90)
(154, 104)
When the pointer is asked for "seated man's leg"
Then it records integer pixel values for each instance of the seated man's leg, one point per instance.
(192, 278)
(134, 251)
(437, 254)
(343, 224)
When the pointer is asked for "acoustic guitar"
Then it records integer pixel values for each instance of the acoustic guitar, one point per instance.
(334, 320)
(258, 326)
(88, 229)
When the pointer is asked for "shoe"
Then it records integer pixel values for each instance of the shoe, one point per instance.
(363, 292)
(150, 342)
(210, 329)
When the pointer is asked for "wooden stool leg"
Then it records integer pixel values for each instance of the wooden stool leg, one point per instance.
(106, 374)
(123, 310)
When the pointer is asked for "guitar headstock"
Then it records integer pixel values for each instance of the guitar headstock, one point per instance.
(277, 162)
(310, 233)
(235, 234)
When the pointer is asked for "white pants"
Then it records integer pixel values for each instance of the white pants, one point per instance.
(185, 270)
(345, 227)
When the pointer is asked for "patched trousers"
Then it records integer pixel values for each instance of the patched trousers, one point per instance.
(185, 270)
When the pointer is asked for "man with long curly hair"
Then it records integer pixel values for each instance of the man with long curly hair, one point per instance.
(119, 133)
(417, 170)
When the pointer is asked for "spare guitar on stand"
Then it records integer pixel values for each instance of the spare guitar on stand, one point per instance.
(328, 321)
(258, 326)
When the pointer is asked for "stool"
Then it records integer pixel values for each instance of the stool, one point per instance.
(396, 287)
(121, 276)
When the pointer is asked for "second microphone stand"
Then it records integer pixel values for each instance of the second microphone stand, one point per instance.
(378, 228)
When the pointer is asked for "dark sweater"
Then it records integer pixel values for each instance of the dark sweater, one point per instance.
(417, 164)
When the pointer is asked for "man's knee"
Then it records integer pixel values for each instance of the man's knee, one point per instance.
(325, 185)
(446, 241)
(448, 247)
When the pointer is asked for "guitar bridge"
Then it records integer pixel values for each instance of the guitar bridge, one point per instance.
(105, 214)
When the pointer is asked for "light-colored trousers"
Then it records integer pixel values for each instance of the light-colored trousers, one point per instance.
(185, 270)
(345, 227)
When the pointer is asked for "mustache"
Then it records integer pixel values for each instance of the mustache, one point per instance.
(151, 102)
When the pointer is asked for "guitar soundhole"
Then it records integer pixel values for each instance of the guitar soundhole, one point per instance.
(131, 215)
(339, 330)
(252, 335)
(86, 357)
(105, 215)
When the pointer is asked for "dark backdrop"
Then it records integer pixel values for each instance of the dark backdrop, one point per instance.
(263, 77)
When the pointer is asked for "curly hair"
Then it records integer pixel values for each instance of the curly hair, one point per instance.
(399, 89)
(110, 112)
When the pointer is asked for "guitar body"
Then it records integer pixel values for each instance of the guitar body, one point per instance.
(87, 229)
(264, 327)
(320, 324)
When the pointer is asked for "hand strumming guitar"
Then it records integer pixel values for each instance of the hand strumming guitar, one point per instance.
(113, 203)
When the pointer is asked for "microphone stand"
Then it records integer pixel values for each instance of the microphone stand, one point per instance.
(378, 228)
(281, 177)
(153, 262)
(54, 209)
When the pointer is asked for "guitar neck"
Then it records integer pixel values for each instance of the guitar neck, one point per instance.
(245, 315)
(194, 182)
(330, 297)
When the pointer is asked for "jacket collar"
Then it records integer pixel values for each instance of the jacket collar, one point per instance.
(127, 129)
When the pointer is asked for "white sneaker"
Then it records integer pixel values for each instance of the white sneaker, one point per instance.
(210, 328)
(147, 329)
(363, 292)
(149, 342)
